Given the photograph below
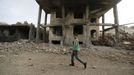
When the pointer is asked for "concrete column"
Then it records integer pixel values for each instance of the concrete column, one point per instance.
(103, 27)
(45, 23)
(97, 28)
(63, 12)
(87, 35)
(116, 21)
(38, 25)
(63, 28)
(44, 35)
(50, 35)
(69, 35)
(87, 12)
(31, 33)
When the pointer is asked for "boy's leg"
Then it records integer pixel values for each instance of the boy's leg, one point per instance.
(72, 59)
(76, 56)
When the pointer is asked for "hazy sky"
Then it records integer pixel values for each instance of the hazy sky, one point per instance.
(12, 11)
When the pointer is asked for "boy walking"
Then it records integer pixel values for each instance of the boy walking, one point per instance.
(76, 49)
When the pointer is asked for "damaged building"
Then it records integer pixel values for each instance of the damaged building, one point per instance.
(69, 17)
(14, 32)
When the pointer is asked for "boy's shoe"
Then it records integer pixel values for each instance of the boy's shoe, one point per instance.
(85, 65)
(71, 65)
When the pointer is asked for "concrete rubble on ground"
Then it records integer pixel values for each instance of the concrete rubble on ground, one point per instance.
(126, 40)
(25, 45)
(110, 53)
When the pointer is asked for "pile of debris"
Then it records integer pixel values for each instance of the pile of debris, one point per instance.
(126, 40)
(109, 40)
(27, 46)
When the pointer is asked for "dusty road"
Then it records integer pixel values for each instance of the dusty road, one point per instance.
(28, 63)
(28, 58)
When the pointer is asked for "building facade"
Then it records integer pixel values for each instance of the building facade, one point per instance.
(70, 17)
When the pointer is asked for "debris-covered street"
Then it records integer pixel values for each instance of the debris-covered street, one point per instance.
(27, 58)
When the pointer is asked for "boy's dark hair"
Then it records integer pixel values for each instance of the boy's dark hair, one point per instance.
(75, 34)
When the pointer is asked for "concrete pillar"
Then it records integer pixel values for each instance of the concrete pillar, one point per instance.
(44, 32)
(63, 12)
(97, 28)
(45, 23)
(31, 33)
(69, 35)
(44, 35)
(116, 21)
(38, 25)
(87, 13)
(50, 35)
(103, 27)
(63, 28)
(87, 34)
(53, 17)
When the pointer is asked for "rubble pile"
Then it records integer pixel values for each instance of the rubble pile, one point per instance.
(109, 40)
(27, 46)
(126, 41)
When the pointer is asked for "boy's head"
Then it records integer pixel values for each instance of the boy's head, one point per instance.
(75, 36)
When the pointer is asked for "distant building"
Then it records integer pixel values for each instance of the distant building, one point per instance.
(14, 32)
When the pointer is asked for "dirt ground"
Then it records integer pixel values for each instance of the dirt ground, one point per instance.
(52, 64)
(40, 59)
